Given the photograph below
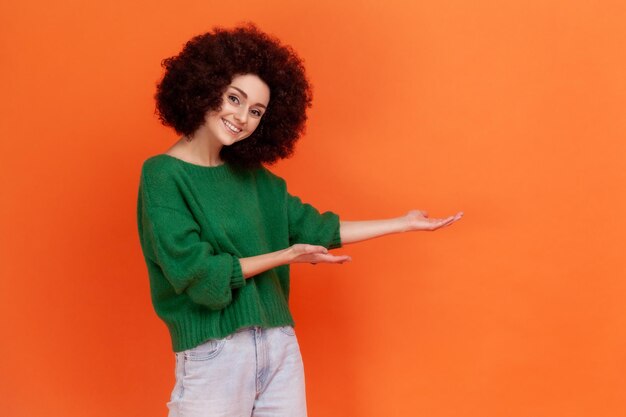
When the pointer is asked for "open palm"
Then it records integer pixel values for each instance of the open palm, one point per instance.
(419, 220)
(314, 254)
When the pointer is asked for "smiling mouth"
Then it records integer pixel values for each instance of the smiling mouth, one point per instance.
(231, 127)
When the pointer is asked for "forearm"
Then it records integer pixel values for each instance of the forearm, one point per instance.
(356, 231)
(254, 265)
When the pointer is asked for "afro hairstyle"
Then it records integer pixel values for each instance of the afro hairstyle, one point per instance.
(196, 79)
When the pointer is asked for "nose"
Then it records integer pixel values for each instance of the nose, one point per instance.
(241, 115)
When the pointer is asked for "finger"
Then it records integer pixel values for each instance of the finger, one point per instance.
(457, 217)
(315, 249)
(441, 222)
(449, 220)
(333, 258)
(454, 216)
(448, 223)
(452, 220)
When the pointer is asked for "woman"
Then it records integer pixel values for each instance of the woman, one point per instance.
(218, 230)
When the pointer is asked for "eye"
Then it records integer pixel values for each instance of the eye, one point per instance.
(233, 99)
(256, 112)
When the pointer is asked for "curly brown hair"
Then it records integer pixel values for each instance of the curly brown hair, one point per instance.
(196, 79)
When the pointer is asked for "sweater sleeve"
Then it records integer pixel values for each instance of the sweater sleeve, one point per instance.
(190, 265)
(308, 225)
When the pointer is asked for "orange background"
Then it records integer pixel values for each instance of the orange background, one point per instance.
(513, 112)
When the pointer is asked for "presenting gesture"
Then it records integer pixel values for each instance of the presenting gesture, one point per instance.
(351, 231)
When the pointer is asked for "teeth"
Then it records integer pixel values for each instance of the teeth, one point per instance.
(231, 126)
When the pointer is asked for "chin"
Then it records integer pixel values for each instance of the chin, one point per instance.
(233, 141)
(228, 141)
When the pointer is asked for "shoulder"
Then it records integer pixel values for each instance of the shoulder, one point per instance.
(264, 174)
(160, 180)
(270, 181)
(162, 171)
(156, 166)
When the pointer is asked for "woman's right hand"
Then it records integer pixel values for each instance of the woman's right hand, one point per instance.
(299, 252)
(314, 254)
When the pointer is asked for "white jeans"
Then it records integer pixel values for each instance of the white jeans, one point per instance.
(252, 372)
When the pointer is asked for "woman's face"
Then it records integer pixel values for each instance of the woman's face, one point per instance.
(244, 103)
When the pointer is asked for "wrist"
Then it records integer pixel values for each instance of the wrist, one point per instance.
(403, 224)
(285, 256)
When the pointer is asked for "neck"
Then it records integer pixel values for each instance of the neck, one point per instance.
(203, 149)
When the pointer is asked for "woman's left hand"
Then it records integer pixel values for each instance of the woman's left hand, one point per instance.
(419, 220)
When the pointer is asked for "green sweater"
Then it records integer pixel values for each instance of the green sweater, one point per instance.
(195, 222)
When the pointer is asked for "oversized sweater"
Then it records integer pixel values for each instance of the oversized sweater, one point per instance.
(196, 222)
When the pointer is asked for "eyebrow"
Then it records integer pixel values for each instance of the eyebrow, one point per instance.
(246, 96)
